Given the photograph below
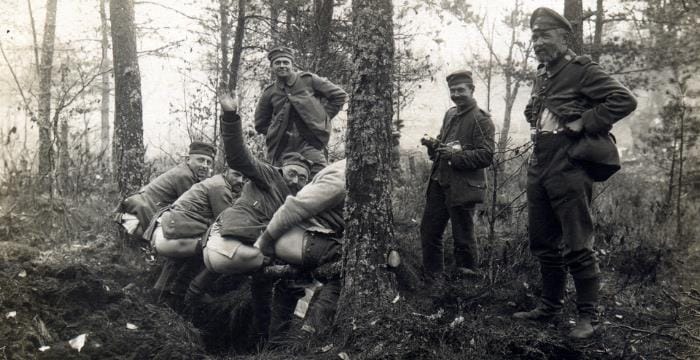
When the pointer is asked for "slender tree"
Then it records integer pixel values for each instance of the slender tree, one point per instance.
(573, 11)
(128, 150)
(46, 161)
(369, 220)
(105, 88)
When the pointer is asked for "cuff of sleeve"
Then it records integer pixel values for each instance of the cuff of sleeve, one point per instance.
(230, 116)
(593, 125)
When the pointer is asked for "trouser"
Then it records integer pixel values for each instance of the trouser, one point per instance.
(560, 223)
(435, 217)
(274, 300)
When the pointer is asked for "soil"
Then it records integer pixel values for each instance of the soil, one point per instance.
(103, 289)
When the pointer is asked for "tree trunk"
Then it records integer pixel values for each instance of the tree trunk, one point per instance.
(237, 45)
(573, 11)
(274, 22)
(224, 30)
(105, 74)
(323, 16)
(128, 150)
(46, 161)
(598, 36)
(369, 235)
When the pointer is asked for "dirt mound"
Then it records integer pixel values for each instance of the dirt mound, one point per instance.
(49, 304)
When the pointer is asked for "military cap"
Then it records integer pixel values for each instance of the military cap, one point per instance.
(280, 51)
(202, 148)
(545, 19)
(294, 158)
(460, 76)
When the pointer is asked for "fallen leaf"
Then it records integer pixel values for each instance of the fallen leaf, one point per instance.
(78, 342)
(44, 348)
(458, 320)
(22, 273)
(131, 326)
(472, 343)
(327, 348)
(618, 316)
(11, 314)
(396, 299)
(344, 356)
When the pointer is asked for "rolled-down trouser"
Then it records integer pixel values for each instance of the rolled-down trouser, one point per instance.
(277, 306)
(560, 223)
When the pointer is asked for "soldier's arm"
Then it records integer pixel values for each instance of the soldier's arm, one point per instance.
(220, 197)
(481, 155)
(238, 156)
(263, 113)
(334, 95)
(614, 100)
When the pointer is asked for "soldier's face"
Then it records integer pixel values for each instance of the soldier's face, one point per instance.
(460, 93)
(549, 44)
(282, 67)
(296, 177)
(234, 178)
(201, 165)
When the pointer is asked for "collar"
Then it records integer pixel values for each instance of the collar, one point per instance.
(290, 80)
(555, 66)
(469, 106)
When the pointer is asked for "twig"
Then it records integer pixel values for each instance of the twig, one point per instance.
(644, 331)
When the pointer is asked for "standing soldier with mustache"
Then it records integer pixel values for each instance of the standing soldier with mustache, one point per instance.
(460, 153)
(295, 112)
(573, 100)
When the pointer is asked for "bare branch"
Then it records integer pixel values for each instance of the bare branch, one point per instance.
(19, 87)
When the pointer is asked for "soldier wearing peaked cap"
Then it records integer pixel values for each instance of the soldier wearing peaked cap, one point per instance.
(573, 106)
(295, 112)
(460, 153)
(167, 187)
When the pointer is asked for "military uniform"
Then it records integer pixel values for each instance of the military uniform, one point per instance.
(559, 189)
(159, 193)
(295, 116)
(456, 184)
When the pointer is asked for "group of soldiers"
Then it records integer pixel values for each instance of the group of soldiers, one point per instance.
(289, 209)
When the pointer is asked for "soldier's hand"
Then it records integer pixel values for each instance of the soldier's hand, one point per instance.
(448, 150)
(228, 103)
(575, 126)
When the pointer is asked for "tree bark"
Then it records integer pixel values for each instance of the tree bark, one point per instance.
(323, 16)
(573, 11)
(224, 30)
(128, 149)
(237, 45)
(46, 152)
(369, 235)
(105, 88)
(598, 36)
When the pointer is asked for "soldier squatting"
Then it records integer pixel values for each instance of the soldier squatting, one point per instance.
(290, 211)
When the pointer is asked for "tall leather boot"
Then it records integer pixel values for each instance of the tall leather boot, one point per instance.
(587, 293)
(553, 288)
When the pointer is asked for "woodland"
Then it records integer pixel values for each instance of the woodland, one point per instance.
(98, 97)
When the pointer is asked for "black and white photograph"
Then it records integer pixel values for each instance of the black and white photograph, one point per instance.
(350, 179)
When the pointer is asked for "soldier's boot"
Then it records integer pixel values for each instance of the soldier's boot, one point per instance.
(167, 273)
(587, 291)
(196, 297)
(553, 287)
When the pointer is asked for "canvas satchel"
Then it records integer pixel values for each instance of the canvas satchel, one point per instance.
(598, 155)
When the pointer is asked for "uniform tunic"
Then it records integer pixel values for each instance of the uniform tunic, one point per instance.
(559, 189)
(295, 116)
(159, 193)
(198, 207)
(456, 184)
